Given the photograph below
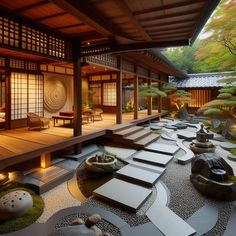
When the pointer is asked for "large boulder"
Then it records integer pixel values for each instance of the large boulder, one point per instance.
(205, 164)
(15, 204)
(209, 175)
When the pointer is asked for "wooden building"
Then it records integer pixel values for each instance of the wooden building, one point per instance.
(203, 87)
(79, 46)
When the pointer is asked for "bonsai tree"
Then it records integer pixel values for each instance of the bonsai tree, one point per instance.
(180, 98)
(146, 91)
(224, 107)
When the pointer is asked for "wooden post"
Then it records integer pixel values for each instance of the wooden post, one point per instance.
(136, 97)
(149, 100)
(119, 94)
(45, 160)
(159, 99)
(8, 94)
(77, 86)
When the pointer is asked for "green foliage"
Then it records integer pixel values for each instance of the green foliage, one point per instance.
(183, 57)
(29, 218)
(214, 53)
(224, 95)
(150, 91)
(225, 104)
(217, 52)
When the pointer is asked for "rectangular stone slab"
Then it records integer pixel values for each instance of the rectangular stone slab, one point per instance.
(153, 158)
(162, 148)
(169, 223)
(139, 174)
(122, 193)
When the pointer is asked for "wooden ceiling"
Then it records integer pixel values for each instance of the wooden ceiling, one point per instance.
(125, 21)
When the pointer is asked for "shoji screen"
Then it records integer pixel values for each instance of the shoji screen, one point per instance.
(26, 95)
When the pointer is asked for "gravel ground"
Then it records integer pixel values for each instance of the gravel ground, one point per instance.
(184, 199)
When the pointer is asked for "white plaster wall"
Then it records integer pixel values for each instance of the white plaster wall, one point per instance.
(68, 82)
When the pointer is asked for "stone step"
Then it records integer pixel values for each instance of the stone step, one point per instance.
(168, 222)
(119, 127)
(139, 175)
(162, 148)
(128, 131)
(152, 158)
(146, 140)
(124, 194)
(137, 135)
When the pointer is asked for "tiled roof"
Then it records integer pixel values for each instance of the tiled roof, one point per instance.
(203, 80)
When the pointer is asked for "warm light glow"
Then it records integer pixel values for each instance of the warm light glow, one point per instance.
(2, 177)
(43, 163)
(11, 176)
(88, 43)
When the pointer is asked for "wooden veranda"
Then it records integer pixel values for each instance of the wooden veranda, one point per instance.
(19, 145)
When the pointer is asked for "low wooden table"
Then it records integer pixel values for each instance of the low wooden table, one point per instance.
(64, 118)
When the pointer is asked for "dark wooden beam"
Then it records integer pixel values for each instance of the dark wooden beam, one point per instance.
(170, 34)
(176, 36)
(31, 6)
(77, 87)
(149, 98)
(119, 93)
(68, 26)
(168, 16)
(95, 50)
(159, 98)
(169, 29)
(127, 12)
(168, 6)
(50, 16)
(154, 25)
(88, 14)
(136, 105)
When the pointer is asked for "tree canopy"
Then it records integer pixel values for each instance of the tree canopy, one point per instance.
(217, 52)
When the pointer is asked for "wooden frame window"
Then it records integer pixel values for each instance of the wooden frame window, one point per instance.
(26, 95)
(109, 94)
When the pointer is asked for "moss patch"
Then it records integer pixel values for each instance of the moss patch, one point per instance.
(233, 151)
(232, 179)
(29, 218)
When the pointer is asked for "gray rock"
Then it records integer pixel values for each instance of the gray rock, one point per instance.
(203, 164)
(223, 191)
(15, 204)
(78, 221)
(97, 230)
(92, 220)
(209, 175)
(74, 231)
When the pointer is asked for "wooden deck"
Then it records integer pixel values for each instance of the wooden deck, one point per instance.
(21, 144)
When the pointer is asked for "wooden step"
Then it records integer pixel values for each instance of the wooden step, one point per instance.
(128, 131)
(119, 127)
(146, 140)
(137, 135)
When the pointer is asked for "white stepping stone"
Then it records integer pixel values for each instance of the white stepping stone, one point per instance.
(153, 158)
(228, 145)
(168, 222)
(159, 169)
(139, 174)
(186, 135)
(162, 148)
(128, 195)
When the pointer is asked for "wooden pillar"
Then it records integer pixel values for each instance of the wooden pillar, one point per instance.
(119, 94)
(159, 99)
(45, 160)
(77, 86)
(149, 100)
(136, 103)
(8, 94)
